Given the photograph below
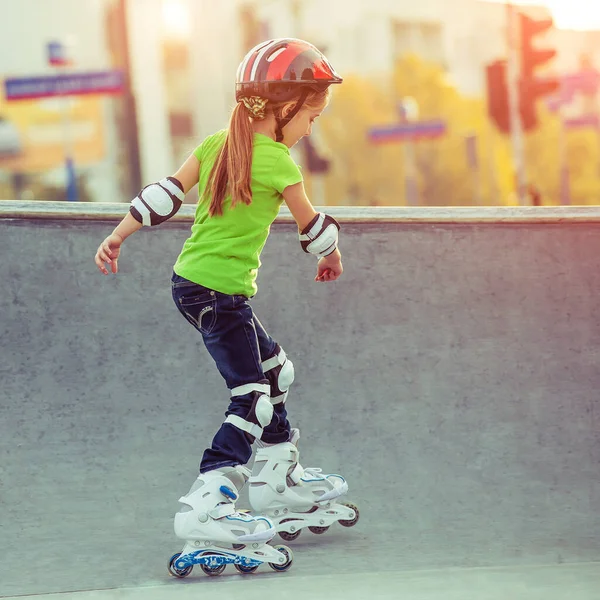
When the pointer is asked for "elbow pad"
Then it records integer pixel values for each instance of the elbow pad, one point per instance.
(157, 202)
(320, 236)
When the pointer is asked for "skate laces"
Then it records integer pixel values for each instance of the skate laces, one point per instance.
(314, 472)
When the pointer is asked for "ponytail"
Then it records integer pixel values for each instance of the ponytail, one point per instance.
(232, 170)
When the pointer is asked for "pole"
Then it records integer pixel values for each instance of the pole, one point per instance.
(491, 165)
(71, 180)
(472, 150)
(516, 125)
(60, 54)
(410, 169)
(127, 111)
(409, 112)
(565, 184)
(317, 180)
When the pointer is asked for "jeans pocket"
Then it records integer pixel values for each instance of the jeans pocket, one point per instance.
(200, 309)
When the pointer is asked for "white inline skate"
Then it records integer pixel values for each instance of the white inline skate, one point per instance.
(293, 497)
(217, 535)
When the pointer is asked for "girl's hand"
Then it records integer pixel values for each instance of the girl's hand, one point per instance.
(329, 268)
(108, 252)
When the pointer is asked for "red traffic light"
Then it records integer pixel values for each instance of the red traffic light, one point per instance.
(497, 98)
(497, 95)
(530, 27)
(532, 57)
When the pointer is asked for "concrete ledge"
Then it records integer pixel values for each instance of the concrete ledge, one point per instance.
(100, 211)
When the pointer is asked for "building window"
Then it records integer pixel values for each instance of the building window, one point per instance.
(425, 39)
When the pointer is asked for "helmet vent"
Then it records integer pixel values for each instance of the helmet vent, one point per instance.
(275, 54)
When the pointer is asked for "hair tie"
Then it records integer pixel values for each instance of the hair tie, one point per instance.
(256, 106)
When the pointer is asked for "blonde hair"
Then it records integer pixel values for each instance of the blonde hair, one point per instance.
(231, 173)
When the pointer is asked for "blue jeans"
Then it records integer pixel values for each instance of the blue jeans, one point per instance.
(238, 343)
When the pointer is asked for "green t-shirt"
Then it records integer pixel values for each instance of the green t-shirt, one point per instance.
(223, 252)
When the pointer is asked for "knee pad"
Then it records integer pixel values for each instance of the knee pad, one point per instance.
(279, 370)
(260, 413)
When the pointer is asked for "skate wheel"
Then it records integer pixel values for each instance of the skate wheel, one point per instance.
(178, 572)
(212, 571)
(289, 537)
(350, 522)
(317, 530)
(285, 535)
(287, 564)
(245, 569)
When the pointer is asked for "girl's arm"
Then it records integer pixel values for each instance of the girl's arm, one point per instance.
(188, 173)
(329, 268)
(109, 250)
(300, 206)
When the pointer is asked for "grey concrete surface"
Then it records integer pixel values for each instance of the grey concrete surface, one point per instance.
(576, 582)
(451, 375)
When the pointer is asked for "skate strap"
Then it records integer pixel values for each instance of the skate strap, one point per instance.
(242, 390)
(279, 360)
(336, 492)
(222, 510)
(273, 362)
(314, 472)
(246, 426)
(279, 399)
(296, 474)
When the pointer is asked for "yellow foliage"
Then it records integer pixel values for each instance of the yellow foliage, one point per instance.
(367, 174)
(582, 152)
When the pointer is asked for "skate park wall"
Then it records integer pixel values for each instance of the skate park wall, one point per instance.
(451, 375)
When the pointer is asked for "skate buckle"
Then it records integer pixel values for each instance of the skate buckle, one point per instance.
(228, 492)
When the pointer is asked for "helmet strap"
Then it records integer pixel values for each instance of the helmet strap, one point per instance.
(282, 122)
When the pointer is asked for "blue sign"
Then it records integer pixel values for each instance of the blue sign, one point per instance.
(57, 54)
(73, 84)
(408, 131)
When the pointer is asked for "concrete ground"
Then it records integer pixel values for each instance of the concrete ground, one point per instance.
(579, 582)
(451, 376)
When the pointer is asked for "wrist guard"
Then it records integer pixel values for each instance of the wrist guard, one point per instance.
(320, 236)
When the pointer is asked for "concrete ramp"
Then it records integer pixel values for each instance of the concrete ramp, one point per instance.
(452, 375)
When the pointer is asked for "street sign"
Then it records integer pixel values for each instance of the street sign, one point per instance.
(72, 84)
(419, 130)
(58, 55)
(592, 121)
(583, 82)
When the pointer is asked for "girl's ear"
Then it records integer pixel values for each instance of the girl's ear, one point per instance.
(287, 108)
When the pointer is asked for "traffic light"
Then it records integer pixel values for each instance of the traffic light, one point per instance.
(497, 95)
(531, 56)
(533, 88)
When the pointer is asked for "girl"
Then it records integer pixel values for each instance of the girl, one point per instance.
(244, 174)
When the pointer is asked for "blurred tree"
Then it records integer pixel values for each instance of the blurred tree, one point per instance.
(366, 174)
(36, 189)
(582, 151)
(360, 173)
(374, 175)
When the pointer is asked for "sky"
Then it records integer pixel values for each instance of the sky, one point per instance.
(570, 14)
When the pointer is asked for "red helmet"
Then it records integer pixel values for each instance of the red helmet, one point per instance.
(276, 68)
